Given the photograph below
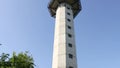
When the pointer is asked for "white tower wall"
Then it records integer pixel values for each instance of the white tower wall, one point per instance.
(64, 50)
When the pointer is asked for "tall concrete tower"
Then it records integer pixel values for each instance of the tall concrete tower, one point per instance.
(64, 53)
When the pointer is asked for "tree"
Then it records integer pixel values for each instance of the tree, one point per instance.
(21, 60)
(4, 58)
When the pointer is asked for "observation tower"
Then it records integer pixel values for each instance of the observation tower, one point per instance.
(64, 49)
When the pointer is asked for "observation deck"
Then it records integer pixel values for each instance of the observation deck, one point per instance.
(75, 4)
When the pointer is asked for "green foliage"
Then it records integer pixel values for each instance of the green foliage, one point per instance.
(22, 60)
(4, 57)
(3, 60)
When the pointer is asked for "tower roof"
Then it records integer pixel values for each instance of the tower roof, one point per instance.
(53, 5)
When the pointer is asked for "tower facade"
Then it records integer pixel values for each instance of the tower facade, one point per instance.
(64, 49)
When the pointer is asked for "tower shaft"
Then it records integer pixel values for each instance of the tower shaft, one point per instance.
(64, 53)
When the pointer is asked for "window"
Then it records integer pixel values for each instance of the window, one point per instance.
(69, 44)
(69, 35)
(68, 8)
(64, 4)
(71, 56)
(69, 27)
(70, 67)
(69, 20)
(68, 13)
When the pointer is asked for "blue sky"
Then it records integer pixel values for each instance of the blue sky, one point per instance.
(26, 25)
